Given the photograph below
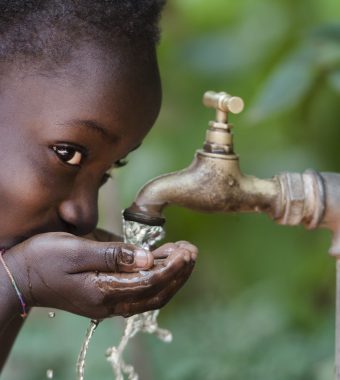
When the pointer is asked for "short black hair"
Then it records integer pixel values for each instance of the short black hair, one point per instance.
(48, 30)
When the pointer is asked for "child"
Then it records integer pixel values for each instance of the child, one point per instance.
(79, 90)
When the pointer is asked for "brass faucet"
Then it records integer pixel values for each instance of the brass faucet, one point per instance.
(214, 183)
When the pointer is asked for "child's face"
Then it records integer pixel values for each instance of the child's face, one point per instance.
(61, 134)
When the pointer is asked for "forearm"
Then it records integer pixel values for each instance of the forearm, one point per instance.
(7, 338)
(10, 319)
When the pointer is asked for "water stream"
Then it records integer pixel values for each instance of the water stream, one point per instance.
(83, 351)
(145, 237)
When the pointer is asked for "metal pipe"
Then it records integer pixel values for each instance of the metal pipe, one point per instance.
(337, 321)
(331, 219)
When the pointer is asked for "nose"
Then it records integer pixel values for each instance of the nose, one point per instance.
(79, 210)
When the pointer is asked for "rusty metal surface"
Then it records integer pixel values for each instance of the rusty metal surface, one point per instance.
(303, 199)
(337, 321)
(331, 219)
(212, 183)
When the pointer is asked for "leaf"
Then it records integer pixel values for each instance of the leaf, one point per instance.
(328, 32)
(334, 80)
(286, 86)
(327, 55)
(231, 50)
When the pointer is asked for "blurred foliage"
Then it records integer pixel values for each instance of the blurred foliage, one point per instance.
(260, 303)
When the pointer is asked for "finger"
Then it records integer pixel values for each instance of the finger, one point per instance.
(157, 300)
(94, 256)
(183, 252)
(134, 286)
(192, 248)
(165, 250)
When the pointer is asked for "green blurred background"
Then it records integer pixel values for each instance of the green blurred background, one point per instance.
(260, 304)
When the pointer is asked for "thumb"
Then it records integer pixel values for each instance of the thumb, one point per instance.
(111, 257)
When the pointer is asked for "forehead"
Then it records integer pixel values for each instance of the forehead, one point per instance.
(120, 90)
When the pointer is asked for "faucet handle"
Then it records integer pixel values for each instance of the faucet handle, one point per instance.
(223, 102)
(219, 138)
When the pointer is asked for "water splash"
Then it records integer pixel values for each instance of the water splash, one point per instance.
(83, 351)
(145, 322)
(143, 236)
(51, 314)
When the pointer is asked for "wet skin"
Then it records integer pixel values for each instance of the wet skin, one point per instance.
(60, 134)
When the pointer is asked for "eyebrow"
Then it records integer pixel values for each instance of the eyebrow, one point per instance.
(94, 126)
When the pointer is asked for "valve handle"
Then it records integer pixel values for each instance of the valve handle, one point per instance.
(219, 139)
(223, 102)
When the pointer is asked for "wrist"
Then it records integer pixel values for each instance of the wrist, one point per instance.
(11, 297)
(9, 303)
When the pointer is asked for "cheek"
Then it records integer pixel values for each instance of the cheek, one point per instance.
(29, 190)
(22, 166)
(23, 189)
(23, 205)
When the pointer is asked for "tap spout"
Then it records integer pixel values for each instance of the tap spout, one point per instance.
(212, 183)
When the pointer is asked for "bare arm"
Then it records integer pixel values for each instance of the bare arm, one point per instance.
(89, 278)
(7, 338)
(10, 319)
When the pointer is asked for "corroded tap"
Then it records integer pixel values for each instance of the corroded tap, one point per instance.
(214, 183)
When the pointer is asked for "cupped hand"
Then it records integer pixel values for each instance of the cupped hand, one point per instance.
(96, 279)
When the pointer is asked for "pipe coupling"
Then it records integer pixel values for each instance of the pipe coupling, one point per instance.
(302, 199)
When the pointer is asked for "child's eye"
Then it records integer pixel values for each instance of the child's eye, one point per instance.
(68, 154)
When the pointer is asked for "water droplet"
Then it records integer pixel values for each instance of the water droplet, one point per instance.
(51, 314)
(49, 373)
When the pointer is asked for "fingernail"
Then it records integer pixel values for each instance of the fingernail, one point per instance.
(143, 258)
(126, 256)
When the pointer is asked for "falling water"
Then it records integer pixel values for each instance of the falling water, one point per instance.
(145, 322)
(143, 236)
(83, 351)
(49, 372)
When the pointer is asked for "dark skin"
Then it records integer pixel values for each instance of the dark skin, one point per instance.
(60, 134)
